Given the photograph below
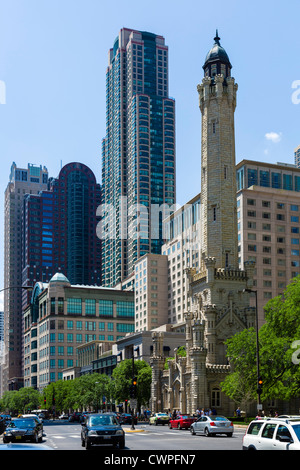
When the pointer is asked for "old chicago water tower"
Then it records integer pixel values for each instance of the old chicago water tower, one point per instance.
(219, 305)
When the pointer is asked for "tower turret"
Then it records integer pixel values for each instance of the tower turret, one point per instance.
(217, 61)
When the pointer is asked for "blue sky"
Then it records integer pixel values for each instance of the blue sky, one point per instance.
(53, 58)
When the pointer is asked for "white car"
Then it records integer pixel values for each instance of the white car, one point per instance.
(212, 425)
(273, 434)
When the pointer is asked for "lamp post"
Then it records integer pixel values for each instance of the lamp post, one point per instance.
(259, 379)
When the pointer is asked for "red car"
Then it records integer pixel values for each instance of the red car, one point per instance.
(181, 422)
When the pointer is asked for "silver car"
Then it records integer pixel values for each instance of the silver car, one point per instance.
(209, 425)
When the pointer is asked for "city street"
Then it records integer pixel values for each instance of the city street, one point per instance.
(66, 436)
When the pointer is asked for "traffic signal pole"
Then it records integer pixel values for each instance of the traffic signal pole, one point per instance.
(131, 390)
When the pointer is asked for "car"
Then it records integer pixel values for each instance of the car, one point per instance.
(76, 416)
(181, 422)
(126, 418)
(6, 418)
(273, 434)
(25, 446)
(102, 429)
(159, 418)
(23, 429)
(63, 416)
(210, 425)
(33, 416)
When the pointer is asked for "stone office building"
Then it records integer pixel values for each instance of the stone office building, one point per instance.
(61, 317)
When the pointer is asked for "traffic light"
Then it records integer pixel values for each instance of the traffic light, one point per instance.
(133, 388)
(259, 385)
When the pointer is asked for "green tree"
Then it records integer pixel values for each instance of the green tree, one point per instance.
(278, 358)
(122, 380)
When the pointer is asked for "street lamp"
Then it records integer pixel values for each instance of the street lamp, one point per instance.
(259, 379)
(17, 287)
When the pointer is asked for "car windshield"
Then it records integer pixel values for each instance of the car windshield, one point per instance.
(22, 423)
(161, 414)
(218, 418)
(102, 421)
(184, 417)
(296, 428)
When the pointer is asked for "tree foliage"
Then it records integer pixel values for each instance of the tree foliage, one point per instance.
(278, 357)
(123, 375)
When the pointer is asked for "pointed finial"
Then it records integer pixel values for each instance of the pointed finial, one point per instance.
(217, 39)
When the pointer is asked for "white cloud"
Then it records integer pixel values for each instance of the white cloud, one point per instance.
(274, 137)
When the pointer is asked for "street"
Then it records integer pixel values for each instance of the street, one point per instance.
(62, 435)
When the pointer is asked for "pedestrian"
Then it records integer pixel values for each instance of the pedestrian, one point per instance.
(238, 412)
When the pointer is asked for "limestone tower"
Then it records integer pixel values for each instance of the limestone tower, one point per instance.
(217, 101)
(217, 289)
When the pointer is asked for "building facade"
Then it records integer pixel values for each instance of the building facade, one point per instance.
(22, 181)
(219, 307)
(138, 157)
(151, 286)
(62, 317)
(268, 211)
(59, 229)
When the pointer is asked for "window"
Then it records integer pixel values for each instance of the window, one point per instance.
(265, 203)
(106, 308)
(52, 305)
(254, 428)
(251, 202)
(251, 213)
(215, 398)
(90, 307)
(125, 309)
(90, 326)
(125, 328)
(283, 431)
(74, 306)
(251, 236)
(60, 305)
(251, 247)
(268, 431)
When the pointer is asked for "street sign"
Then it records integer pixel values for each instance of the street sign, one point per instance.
(133, 403)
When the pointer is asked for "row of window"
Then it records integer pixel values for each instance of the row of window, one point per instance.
(105, 308)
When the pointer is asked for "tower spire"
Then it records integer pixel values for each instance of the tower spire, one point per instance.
(217, 38)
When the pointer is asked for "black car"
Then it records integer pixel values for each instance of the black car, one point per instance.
(126, 418)
(102, 428)
(23, 429)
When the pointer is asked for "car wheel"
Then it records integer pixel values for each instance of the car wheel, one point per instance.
(206, 432)
(122, 444)
(87, 444)
(229, 434)
(192, 431)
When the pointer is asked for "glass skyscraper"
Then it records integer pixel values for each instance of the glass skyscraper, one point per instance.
(59, 228)
(138, 154)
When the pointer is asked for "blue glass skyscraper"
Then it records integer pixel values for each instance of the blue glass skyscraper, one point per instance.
(138, 155)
